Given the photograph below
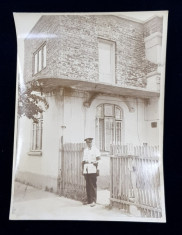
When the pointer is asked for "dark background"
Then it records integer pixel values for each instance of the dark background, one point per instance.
(172, 117)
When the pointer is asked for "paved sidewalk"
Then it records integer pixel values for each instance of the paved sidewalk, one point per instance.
(33, 204)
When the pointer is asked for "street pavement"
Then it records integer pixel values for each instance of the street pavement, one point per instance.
(30, 203)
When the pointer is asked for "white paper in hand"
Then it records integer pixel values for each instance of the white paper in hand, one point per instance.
(89, 168)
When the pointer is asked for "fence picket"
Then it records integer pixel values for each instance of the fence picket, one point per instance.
(142, 164)
(73, 181)
(111, 177)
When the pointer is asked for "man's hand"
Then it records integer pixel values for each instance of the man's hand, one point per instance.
(95, 163)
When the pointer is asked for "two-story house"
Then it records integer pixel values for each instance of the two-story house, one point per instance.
(101, 77)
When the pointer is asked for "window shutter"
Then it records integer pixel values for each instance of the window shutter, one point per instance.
(106, 61)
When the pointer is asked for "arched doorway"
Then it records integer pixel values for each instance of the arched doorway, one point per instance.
(109, 118)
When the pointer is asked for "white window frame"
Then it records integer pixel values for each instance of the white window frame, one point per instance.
(108, 116)
(36, 137)
(40, 59)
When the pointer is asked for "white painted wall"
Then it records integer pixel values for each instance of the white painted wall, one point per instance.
(74, 119)
(52, 136)
(153, 81)
(80, 122)
(152, 115)
(23, 143)
(153, 47)
(47, 164)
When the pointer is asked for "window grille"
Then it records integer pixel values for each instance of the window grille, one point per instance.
(108, 126)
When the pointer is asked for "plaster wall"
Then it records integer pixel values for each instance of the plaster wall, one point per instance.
(152, 116)
(80, 122)
(41, 170)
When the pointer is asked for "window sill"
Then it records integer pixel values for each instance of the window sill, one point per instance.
(35, 153)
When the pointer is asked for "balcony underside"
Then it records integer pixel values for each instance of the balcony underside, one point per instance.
(47, 84)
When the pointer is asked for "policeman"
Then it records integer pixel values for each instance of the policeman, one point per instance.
(90, 161)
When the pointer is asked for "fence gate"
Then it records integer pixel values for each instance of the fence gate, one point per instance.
(72, 182)
(135, 179)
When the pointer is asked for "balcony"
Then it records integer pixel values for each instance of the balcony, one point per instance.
(47, 84)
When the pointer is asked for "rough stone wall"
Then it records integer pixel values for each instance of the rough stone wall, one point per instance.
(72, 48)
(44, 31)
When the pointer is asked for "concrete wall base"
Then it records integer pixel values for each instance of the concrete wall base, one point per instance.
(44, 182)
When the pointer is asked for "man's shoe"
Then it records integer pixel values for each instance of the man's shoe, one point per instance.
(85, 203)
(92, 204)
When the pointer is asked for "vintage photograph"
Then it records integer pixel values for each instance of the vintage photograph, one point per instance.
(88, 142)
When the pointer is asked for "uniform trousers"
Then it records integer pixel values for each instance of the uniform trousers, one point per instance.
(91, 187)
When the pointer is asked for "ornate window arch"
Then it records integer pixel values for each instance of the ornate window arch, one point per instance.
(109, 119)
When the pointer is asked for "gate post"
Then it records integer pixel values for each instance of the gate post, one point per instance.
(62, 167)
(60, 182)
(111, 173)
(59, 170)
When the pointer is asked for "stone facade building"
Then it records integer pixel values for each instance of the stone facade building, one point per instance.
(101, 77)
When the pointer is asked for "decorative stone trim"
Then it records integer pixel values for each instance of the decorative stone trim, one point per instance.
(129, 104)
(90, 98)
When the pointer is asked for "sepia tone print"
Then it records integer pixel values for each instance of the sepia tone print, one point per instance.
(89, 117)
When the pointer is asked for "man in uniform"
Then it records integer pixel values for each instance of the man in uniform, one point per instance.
(90, 162)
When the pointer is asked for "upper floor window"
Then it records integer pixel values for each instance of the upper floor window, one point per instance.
(106, 61)
(39, 59)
